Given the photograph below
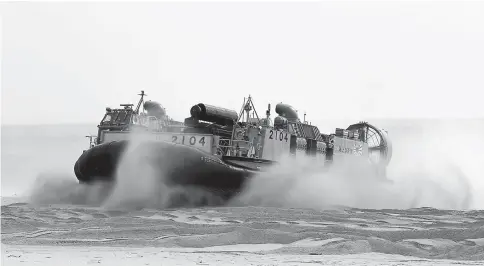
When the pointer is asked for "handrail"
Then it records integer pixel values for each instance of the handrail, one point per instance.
(231, 147)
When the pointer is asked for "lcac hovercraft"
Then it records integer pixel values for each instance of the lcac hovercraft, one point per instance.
(218, 149)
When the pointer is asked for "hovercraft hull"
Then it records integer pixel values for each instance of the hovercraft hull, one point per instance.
(174, 164)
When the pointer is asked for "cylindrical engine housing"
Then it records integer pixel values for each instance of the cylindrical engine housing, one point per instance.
(287, 112)
(214, 114)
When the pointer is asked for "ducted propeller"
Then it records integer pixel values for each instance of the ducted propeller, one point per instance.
(379, 145)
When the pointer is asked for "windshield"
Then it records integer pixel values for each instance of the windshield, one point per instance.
(117, 117)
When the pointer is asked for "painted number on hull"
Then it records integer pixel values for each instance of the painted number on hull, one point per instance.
(189, 140)
(276, 135)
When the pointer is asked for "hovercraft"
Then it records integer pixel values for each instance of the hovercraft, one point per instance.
(218, 149)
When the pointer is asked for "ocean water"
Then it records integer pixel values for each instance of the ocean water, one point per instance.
(431, 210)
(31, 151)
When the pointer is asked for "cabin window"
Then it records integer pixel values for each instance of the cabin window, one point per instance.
(122, 117)
(107, 118)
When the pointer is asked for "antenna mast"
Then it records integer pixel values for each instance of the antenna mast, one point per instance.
(142, 94)
(248, 106)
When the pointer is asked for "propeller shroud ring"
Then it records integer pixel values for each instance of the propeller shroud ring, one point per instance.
(379, 144)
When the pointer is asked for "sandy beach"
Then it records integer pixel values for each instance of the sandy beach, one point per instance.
(224, 255)
(80, 235)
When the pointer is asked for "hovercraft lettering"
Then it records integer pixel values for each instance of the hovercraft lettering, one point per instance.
(355, 150)
(209, 160)
(276, 135)
(344, 150)
(188, 140)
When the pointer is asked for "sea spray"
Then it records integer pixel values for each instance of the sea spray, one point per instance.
(143, 178)
(434, 164)
(419, 175)
(60, 188)
(292, 185)
(138, 184)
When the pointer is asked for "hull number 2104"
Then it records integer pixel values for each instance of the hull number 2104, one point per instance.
(189, 140)
(276, 135)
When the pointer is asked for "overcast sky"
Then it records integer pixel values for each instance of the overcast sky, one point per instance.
(65, 62)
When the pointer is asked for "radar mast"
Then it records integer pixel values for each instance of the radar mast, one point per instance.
(140, 102)
(247, 106)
